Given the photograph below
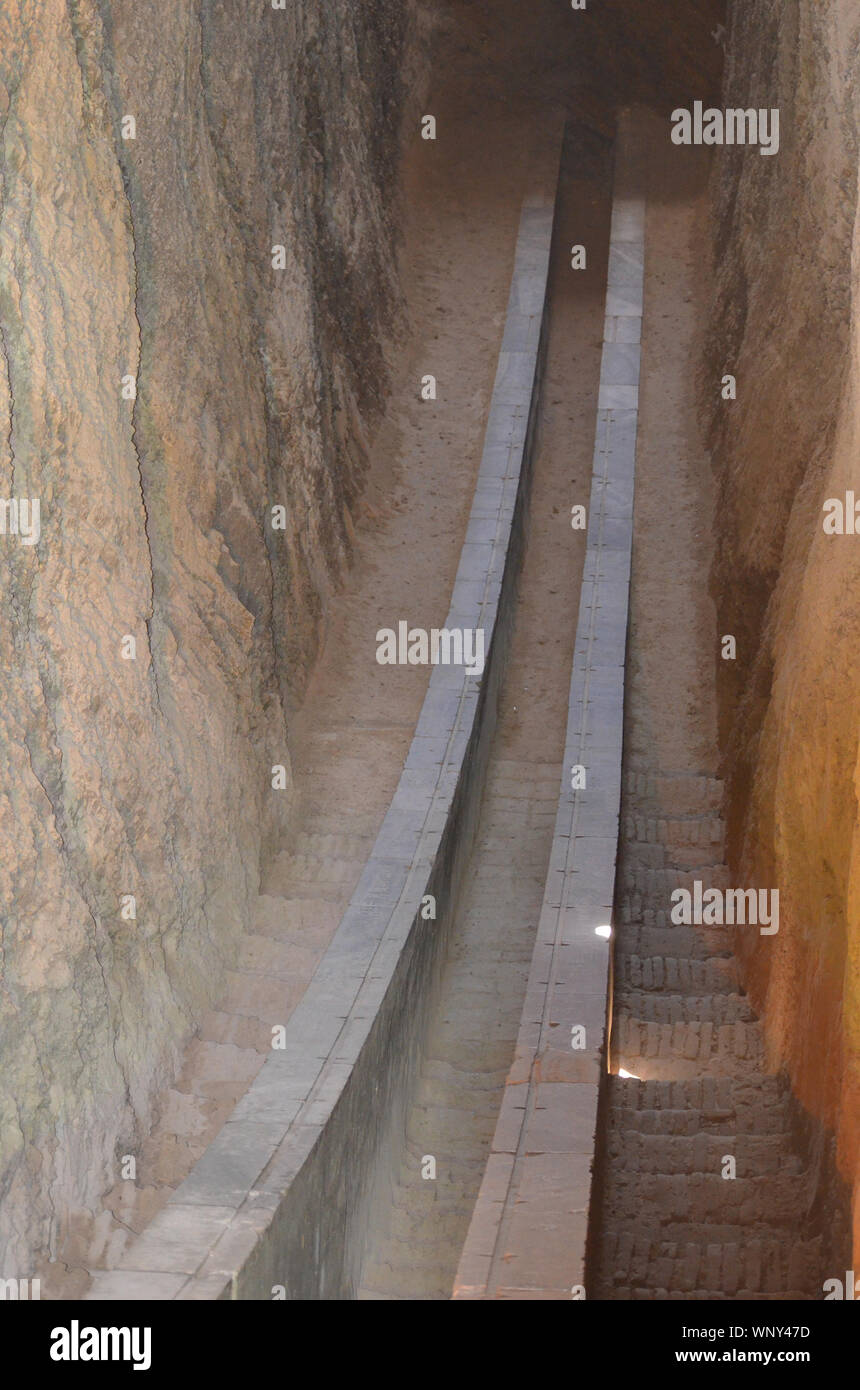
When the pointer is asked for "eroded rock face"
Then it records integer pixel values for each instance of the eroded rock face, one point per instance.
(150, 259)
(786, 323)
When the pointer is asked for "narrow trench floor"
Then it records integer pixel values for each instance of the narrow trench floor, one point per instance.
(421, 1223)
(468, 1051)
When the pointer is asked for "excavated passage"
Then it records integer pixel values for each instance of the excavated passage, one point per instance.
(709, 1186)
(710, 1181)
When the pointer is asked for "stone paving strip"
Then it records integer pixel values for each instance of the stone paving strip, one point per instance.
(279, 1198)
(527, 1237)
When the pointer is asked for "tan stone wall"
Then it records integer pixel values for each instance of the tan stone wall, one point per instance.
(786, 323)
(152, 257)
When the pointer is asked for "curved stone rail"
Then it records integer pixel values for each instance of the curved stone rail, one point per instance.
(279, 1201)
(527, 1238)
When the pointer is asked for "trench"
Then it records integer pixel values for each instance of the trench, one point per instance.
(703, 1176)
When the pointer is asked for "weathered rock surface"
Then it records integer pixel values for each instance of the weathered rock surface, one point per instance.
(786, 323)
(151, 258)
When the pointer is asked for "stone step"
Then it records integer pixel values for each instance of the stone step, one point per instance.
(671, 1226)
(661, 1047)
(311, 869)
(306, 920)
(759, 1120)
(674, 832)
(681, 975)
(313, 844)
(706, 1095)
(755, 1155)
(690, 943)
(656, 885)
(654, 1200)
(719, 1009)
(314, 877)
(690, 1266)
(683, 794)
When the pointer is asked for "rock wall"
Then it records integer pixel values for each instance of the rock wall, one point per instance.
(162, 387)
(786, 322)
